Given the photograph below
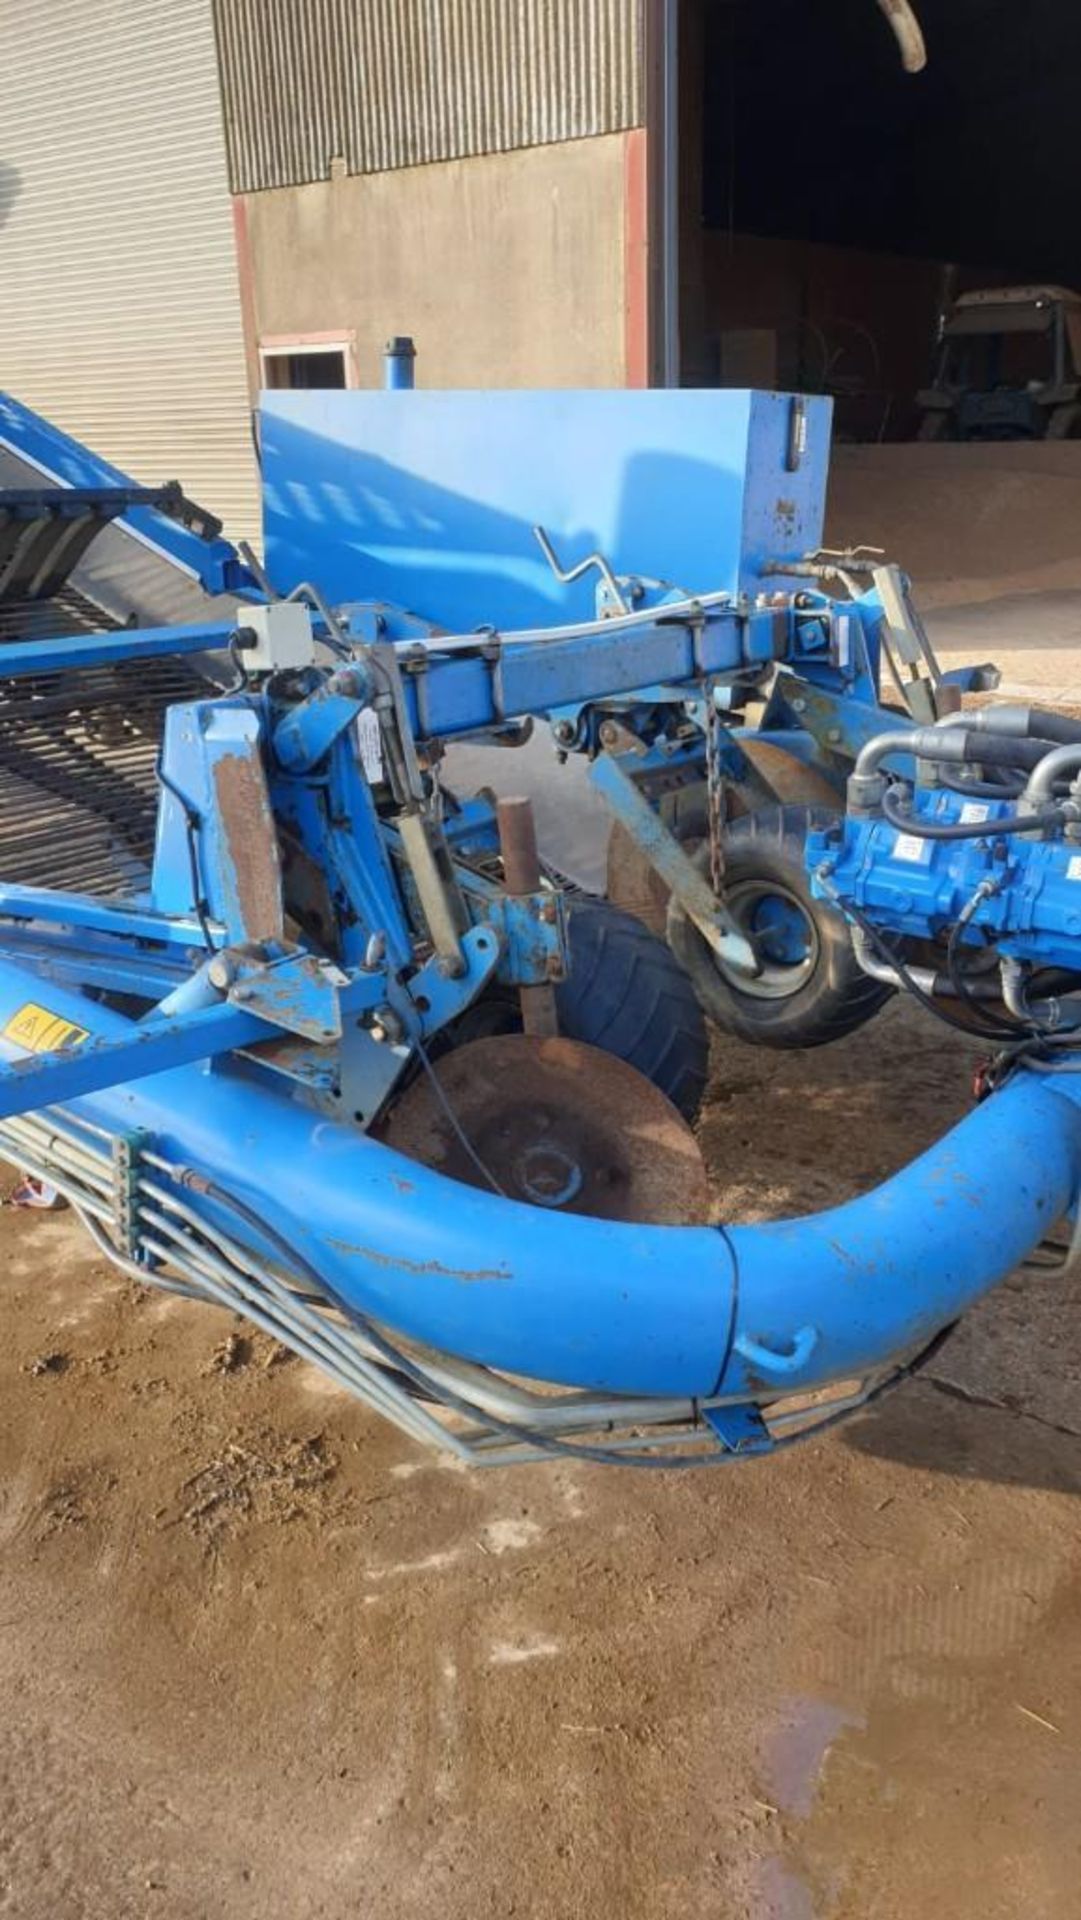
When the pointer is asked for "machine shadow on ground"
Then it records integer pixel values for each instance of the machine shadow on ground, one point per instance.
(936, 1427)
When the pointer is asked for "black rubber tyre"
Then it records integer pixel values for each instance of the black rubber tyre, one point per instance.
(625, 992)
(805, 1001)
(1065, 422)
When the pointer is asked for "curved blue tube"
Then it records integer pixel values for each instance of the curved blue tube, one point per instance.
(884, 1273)
(670, 1311)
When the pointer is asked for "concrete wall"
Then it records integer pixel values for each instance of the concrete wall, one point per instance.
(508, 269)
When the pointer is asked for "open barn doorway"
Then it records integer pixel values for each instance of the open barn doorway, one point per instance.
(832, 206)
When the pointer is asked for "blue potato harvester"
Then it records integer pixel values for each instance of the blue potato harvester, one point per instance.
(297, 1018)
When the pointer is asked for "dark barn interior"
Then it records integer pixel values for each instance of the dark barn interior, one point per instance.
(833, 203)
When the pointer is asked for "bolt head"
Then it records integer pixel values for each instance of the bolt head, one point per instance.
(386, 1026)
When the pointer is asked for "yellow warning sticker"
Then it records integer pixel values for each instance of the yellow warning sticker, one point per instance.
(39, 1031)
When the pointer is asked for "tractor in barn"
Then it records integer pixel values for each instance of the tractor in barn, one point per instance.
(1008, 367)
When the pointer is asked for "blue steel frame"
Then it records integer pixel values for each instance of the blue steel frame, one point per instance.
(465, 684)
(649, 667)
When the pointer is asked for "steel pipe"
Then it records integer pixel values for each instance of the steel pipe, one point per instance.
(1054, 766)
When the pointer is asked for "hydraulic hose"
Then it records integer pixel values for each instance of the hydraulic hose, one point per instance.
(1008, 788)
(1024, 723)
(952, 746)
(917, 823)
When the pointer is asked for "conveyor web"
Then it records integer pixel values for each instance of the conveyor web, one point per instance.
(78, 754)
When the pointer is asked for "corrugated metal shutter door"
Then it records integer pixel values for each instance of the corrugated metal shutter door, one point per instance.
(119, 306)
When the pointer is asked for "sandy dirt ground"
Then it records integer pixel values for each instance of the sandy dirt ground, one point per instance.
(261, 1659)
(990, 537)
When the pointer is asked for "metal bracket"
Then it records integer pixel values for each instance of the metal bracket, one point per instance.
(126, 1172)
(669, 860)
(532, 934)
(294, 990)
(306, 732)
(839, 724)
(216, 850)
(432, 868)
(740, 1428)
(909, 654)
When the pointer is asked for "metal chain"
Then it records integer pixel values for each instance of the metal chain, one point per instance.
(718, 811)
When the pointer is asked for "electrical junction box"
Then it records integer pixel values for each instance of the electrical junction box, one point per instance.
(283, 636)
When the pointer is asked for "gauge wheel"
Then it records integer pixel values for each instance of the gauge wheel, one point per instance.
(811, 988)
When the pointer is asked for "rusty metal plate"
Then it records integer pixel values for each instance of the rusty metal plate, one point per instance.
(557, 1124)
(249, 838)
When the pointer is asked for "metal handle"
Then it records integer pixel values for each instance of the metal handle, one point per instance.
(768, 1360)
(592, 560)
